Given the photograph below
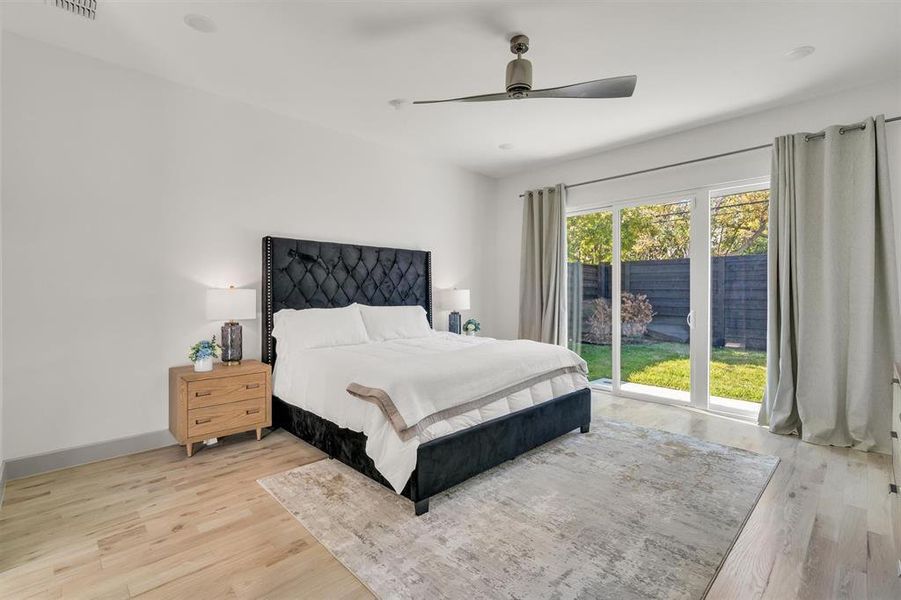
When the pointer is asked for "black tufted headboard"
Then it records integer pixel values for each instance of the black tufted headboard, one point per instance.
(307, 274)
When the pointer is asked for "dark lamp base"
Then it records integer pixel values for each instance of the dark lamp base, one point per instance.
(231, 343)
(454, 323)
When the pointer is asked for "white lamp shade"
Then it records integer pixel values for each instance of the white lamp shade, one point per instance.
(454, 299)
(231, 304)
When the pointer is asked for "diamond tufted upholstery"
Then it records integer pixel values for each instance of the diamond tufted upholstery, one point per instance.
(308, 274)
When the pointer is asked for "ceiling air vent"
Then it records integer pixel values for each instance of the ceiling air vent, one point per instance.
(83, 8)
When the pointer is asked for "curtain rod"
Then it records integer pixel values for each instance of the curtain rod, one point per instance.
(706, 158)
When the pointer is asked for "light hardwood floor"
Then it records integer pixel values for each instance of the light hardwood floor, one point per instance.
(160, 525)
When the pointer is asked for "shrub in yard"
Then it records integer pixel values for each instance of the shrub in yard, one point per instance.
(598, 329)
(637, 313)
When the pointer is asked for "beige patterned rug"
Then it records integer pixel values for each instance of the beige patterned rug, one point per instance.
(621, 512)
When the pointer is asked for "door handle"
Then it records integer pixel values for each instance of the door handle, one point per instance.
(690, 319)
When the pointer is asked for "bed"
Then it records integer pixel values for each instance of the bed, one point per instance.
(301, 274)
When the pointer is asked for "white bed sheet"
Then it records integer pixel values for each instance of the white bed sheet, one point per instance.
(316, 381)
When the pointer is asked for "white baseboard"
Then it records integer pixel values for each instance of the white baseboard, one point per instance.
(26, 466)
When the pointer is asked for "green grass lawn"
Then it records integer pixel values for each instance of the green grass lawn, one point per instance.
(737, 374)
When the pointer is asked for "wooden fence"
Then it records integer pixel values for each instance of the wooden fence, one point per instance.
(738, 293)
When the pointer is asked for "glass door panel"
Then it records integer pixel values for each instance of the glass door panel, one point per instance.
(738, 299)
(655, 300)
(589, 256)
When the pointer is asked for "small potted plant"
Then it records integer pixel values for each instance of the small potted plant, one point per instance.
(471, 327)
(202, 353)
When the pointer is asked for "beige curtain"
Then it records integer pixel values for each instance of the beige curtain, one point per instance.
(575, 289)
(542, 283)
(833, 296)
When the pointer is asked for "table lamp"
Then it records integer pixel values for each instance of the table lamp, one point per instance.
(231, 305)
(454, 300)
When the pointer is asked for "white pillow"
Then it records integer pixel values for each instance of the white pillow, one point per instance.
(395, 322)
(318, 328)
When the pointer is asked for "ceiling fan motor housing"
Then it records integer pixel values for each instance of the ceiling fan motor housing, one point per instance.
(519, 76)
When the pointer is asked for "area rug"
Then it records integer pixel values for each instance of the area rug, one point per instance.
(620, 512)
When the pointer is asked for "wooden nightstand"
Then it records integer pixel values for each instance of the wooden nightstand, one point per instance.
(226, 400)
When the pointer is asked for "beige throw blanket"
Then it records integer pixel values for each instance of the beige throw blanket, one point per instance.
(420, 390)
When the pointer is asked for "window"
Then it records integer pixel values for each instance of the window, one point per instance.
(738, 296)
(668, 296)
(589, 240)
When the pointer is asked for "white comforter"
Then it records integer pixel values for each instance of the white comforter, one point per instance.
(316, 380)
(427, 387)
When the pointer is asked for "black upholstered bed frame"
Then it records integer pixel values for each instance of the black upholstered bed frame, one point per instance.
(307, 274)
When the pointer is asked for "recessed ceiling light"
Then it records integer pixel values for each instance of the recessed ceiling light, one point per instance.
(505, 146)
(200, 23)
(800, 52)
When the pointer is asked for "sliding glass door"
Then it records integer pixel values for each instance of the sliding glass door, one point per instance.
(739, 222)
(589, 258)
(655, 299)
(629, 297)
(667, 296)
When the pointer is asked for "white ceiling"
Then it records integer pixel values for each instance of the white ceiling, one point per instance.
(338, 64)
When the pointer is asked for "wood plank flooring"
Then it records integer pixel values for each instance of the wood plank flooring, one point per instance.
(160, 525)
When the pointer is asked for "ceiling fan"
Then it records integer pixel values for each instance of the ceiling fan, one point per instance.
(519, 83)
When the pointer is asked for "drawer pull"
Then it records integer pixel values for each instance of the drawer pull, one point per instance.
(201, 421)
(199, 394)
(252, 386)
(252, 411)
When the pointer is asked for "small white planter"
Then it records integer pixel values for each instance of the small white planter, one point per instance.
(469, 332)
(202, 365)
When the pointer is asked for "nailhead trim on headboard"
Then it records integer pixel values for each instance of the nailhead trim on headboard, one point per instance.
(268, 276)
(429, 276)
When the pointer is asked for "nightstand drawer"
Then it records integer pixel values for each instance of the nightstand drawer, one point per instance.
(224, 390)
(223, 417)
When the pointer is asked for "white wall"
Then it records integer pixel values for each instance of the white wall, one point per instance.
(750, 130)
(126, 196)
(1, 265)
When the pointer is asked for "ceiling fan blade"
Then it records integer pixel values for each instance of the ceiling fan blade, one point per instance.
(612, 87)
(482, 98)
